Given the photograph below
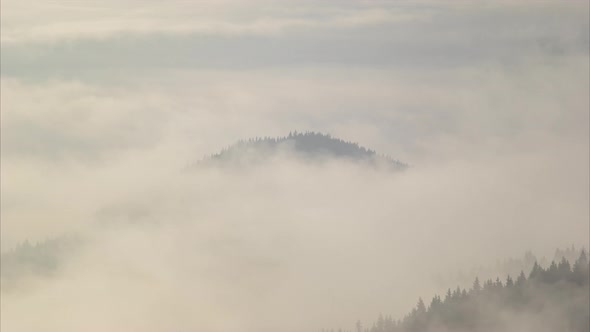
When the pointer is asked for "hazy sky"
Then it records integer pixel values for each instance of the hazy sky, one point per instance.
(105, 103)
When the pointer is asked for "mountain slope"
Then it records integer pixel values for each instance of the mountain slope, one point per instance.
(309, 145)
(551, 299)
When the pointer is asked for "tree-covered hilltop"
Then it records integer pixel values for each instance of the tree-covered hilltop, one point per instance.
(309, 145)
(556, 298)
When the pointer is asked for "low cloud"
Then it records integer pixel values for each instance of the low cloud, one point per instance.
(492, 117)
(212, 242)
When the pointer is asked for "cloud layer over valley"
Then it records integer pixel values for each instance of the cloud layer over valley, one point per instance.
(101, 118)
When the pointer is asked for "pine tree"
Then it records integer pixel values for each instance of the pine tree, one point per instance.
(509, 282)
(536, 272)
(420, 307)
(521, 279)
(563, 269)
(476, 286)
(580, 270)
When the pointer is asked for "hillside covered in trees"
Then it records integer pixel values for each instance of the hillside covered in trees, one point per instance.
(503, 267)
(309, 145)
(549, 299)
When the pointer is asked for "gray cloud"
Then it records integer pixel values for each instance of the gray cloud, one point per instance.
(430, 37)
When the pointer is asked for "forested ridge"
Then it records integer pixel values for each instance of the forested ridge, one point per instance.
(502, 267)
(555, 298)
(311, 145)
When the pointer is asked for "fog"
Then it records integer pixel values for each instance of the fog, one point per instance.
(105, 115)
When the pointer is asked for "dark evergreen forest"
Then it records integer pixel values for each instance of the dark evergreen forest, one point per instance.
(309, 145)
(556, 298)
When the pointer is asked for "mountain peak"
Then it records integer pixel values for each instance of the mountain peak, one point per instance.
(309, 145)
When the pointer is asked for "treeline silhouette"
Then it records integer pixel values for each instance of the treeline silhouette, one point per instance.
(510, 266)
(309, 144)
(556, 298)
(41, 259)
